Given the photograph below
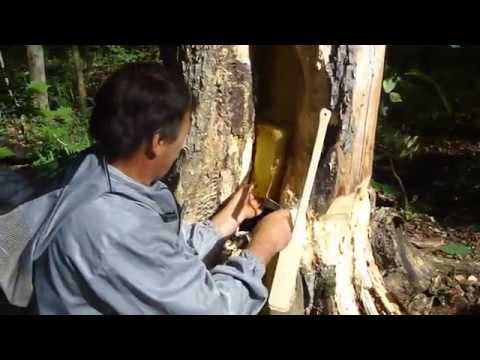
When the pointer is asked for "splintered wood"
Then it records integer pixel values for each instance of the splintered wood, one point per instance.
(283, 287)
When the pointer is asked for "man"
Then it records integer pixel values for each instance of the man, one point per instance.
(113, 241)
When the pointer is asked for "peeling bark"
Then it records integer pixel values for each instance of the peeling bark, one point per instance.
(219, 149)
(340, 213)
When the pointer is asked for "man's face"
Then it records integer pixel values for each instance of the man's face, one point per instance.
(167, 151)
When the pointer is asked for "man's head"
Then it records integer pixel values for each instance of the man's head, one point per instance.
(142, 115)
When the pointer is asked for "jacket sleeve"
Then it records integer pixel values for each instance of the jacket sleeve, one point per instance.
(150, 272)
(203, 238)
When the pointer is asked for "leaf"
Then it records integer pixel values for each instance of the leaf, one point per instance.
(395, 97)
(411, 141)
(6, 152)
(37, 87)
(456, 249)
(389, 85)
(385, 188)
(63, 112)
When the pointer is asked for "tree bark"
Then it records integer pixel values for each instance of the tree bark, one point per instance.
(219, 149)
(339, 267)
(81, 89)
(36, 66)
(291, 84)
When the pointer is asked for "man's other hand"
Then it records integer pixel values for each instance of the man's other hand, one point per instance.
(241, 206)
(271, 235)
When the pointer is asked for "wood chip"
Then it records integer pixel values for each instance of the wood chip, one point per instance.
(471, 280)
(429, 243)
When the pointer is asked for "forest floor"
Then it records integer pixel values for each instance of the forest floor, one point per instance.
(442, 181)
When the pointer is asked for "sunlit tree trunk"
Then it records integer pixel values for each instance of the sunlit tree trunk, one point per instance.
(289, 85)
(81, 89)
(219, 149)
(36, 66)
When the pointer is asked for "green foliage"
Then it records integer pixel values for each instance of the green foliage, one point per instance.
(55, 135)
(389, 84)
(37, 87)
(52, 135)
(119, 55)
(385, 188)
(408, 213)
(456, 249)
(63, 113)
(430, 94)
(395, 97)
(5, 152)
(124, 55)
(394, 144)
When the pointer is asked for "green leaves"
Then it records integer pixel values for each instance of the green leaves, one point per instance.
(395, 97)
(64, 113)
(55, 135)
(389, 85)
(395, 144)
(5, 152)
(37, 87)
(385, 188)
(409, 146)
(455, 249)
(125, 55)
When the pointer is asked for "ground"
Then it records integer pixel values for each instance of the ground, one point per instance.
(443, 181)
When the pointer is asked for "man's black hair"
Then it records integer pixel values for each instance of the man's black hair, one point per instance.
(136, 102)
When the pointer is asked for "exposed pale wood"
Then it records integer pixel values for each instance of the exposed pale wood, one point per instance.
(283, 288)
(340, 238)
(337, 262)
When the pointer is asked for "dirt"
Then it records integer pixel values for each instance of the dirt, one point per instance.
(443, 183)
(451, 293)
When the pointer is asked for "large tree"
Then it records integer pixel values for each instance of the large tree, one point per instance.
(240, 88)
(81, 88)
(36, 67)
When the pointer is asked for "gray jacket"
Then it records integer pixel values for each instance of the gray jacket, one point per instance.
(100, 243)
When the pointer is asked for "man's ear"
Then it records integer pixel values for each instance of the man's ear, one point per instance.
(156, 146)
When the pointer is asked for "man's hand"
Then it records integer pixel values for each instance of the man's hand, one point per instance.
(271, 235)
(241, 206)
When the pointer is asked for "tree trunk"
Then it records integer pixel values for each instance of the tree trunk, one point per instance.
(81, 89)
(291, 84)
(339, 267)
(36, 66)
(219, 149)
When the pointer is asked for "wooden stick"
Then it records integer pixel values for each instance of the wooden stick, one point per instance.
(283, 287)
